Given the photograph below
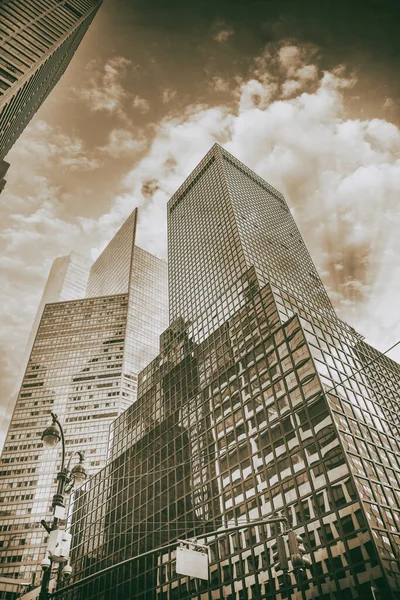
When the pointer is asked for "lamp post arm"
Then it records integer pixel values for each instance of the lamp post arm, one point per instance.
(81, 456)
(55, 419)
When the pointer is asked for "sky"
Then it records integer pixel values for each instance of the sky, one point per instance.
(305, 92)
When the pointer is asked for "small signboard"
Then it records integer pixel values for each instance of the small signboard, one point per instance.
(58, 545)
(193, 563)
(59, 512)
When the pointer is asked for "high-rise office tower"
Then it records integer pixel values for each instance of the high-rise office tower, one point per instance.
(67, 280)
(261, 403)
(83, 366)
(38, 40)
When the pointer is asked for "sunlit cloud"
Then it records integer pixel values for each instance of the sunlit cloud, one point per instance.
(105, 90)
(121, 142)
(140, 104)
(168, 95)
(388, 103)
(49, 147)
(219, 84)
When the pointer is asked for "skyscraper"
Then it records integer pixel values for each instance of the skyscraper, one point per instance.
(38, 40)
(67, 280)
(261, 403)
(83, 366)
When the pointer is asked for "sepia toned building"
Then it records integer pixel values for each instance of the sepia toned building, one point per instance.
(38, 39)
(84, 363)
(67, 280)
(261, 403)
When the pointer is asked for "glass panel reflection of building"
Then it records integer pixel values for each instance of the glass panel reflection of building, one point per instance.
(83, 366)
(260, 403)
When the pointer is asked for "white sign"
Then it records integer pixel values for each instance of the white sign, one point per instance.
(59, 512)
(58, 545)
(192, 563)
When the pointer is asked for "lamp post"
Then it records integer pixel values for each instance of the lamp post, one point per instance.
(66, 478)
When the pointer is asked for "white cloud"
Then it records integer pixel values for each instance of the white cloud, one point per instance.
(48, 146)
(105, 90)
(168, 95)
(291, 59)
(388, 103)
(140, 104)
(219, 84)
(122, 142)
(254, 94)
(80, 163)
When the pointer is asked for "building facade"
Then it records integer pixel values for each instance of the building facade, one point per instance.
(38, 40)
(67, 280)
(83, 366)
(261, 403)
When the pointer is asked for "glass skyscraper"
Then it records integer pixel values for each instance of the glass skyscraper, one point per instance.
(261, 403)
(67, 280)
(83, 366)
(38, 39)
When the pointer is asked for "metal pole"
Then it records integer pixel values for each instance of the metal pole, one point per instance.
(44, 588)
(58, 500)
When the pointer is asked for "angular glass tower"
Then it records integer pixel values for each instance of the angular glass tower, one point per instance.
(83, 366)
(261, 403)
(67, 280)
(225, 219)
(38, 40)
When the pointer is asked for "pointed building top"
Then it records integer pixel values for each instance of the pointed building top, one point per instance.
(110, 273)
(217, 152)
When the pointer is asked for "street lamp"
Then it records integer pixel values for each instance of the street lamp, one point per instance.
(58, 544)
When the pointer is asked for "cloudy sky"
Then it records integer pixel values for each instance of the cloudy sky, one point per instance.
(305, 92)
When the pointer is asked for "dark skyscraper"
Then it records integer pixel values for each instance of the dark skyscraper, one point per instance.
(261, 403)
(38, 40)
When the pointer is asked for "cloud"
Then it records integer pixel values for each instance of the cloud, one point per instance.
(388, 104)
(80, 163)
(254, 94)
(291, 59)
(42, 143)
(219, 84)
(301, 76)
(105, 90)
(223, 33)
(168, 95)
(140, 104)
(122, 142)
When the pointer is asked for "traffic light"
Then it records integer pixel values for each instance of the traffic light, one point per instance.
(297, 551)
(279, 555)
